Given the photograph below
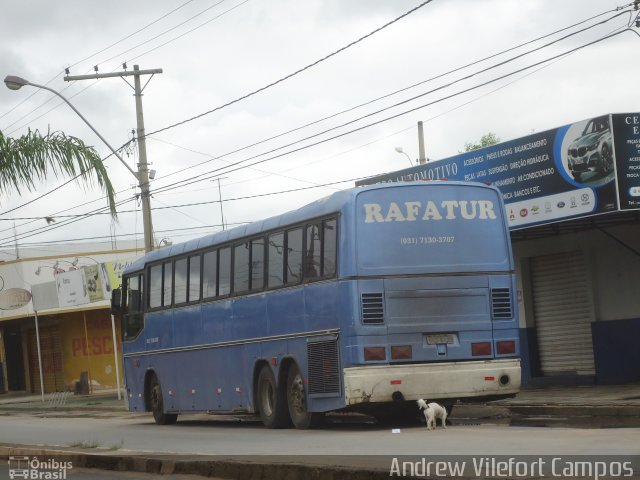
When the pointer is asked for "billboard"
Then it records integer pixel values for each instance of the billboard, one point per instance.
(89, 284)
(581, 169)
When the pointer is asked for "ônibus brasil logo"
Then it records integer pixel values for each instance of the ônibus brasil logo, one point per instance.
(33, 468)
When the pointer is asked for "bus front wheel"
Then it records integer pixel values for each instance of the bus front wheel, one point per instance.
(157, 404)
(296, 399)
(272, 402)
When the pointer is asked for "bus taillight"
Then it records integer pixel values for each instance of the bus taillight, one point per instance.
(372, 354)
(506, 347)
(401, 352)
(481, 349)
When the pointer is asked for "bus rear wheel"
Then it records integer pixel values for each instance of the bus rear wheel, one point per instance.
(297, 401)
(157, 404)
(272, 402)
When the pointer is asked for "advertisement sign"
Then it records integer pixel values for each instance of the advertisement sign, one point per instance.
(92, 283)
(567, 172)
(627, 131)
(72, 288)
(14, 298)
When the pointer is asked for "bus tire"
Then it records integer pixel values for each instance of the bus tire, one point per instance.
(297, 401)
(157, 404)
(272, 401)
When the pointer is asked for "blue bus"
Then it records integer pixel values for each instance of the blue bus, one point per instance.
(364, 300)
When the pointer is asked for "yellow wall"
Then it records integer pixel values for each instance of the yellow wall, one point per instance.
(93, 351)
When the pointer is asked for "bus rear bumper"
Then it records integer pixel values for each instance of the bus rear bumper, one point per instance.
(378, 383)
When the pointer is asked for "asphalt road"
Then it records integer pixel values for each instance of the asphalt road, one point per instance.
(204, 435)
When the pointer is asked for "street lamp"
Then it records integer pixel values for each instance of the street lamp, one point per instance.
(400, 150)
(16, 83)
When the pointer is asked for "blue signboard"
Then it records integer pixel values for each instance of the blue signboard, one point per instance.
(567, 172)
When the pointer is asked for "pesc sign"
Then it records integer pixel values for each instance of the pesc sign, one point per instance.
(581, 169)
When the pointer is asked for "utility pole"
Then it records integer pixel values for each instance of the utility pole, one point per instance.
(421, 159)
(220, 195)
(143, 170)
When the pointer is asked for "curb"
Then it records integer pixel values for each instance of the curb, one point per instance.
(197, 465)
(577, 410)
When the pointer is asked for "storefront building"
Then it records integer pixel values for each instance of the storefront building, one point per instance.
(55, 324)
(572, 197)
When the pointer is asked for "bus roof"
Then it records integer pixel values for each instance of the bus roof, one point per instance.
(324, 206)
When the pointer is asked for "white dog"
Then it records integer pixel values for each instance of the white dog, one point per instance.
(432, 411)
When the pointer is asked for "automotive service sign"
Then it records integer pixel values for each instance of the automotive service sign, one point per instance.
(557, 174)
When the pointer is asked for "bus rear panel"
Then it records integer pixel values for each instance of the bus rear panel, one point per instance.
(436, 296)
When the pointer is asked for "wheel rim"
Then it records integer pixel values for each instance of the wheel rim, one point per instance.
(297, 395)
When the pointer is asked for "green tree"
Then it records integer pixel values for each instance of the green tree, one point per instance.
(486, 140)
(30, 158)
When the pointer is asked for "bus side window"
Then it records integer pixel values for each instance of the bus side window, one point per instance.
(210, 275)
(194, 279)
(155, 286)
(275, 269)
(313, 252)
(167, 286)
(257, 264)
(224, 272)
(329, 247)
(294, 256)
(180, 293)
(241, 267)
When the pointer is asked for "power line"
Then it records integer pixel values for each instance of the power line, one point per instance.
(188, 31)
(287, 77)
(112, 45)
(308, 66)
(175, 185)
(397, 115)
(135, 33)
(102, 211)
(165, 32)
(224, 170)
(328, 117)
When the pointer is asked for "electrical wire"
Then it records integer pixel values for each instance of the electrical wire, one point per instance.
(133, 34)
(314, 63)
(439, 100)
(188, 31)
(224, 171)
(297, 72)
(369, 102)
(167, 31)
(75, 218)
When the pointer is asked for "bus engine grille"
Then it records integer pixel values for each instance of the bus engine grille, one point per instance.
(372, 308)
(501, 303)
(324, 368)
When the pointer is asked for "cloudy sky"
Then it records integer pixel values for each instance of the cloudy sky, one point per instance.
(315, 132)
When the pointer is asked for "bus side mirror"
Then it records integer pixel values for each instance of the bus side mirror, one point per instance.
(116, 301)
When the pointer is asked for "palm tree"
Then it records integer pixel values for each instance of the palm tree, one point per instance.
(32, 156)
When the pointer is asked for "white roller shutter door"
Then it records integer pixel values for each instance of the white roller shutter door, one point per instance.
(563, 313)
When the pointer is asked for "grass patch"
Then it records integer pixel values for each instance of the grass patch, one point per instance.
(117, 446)
(92, 444)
